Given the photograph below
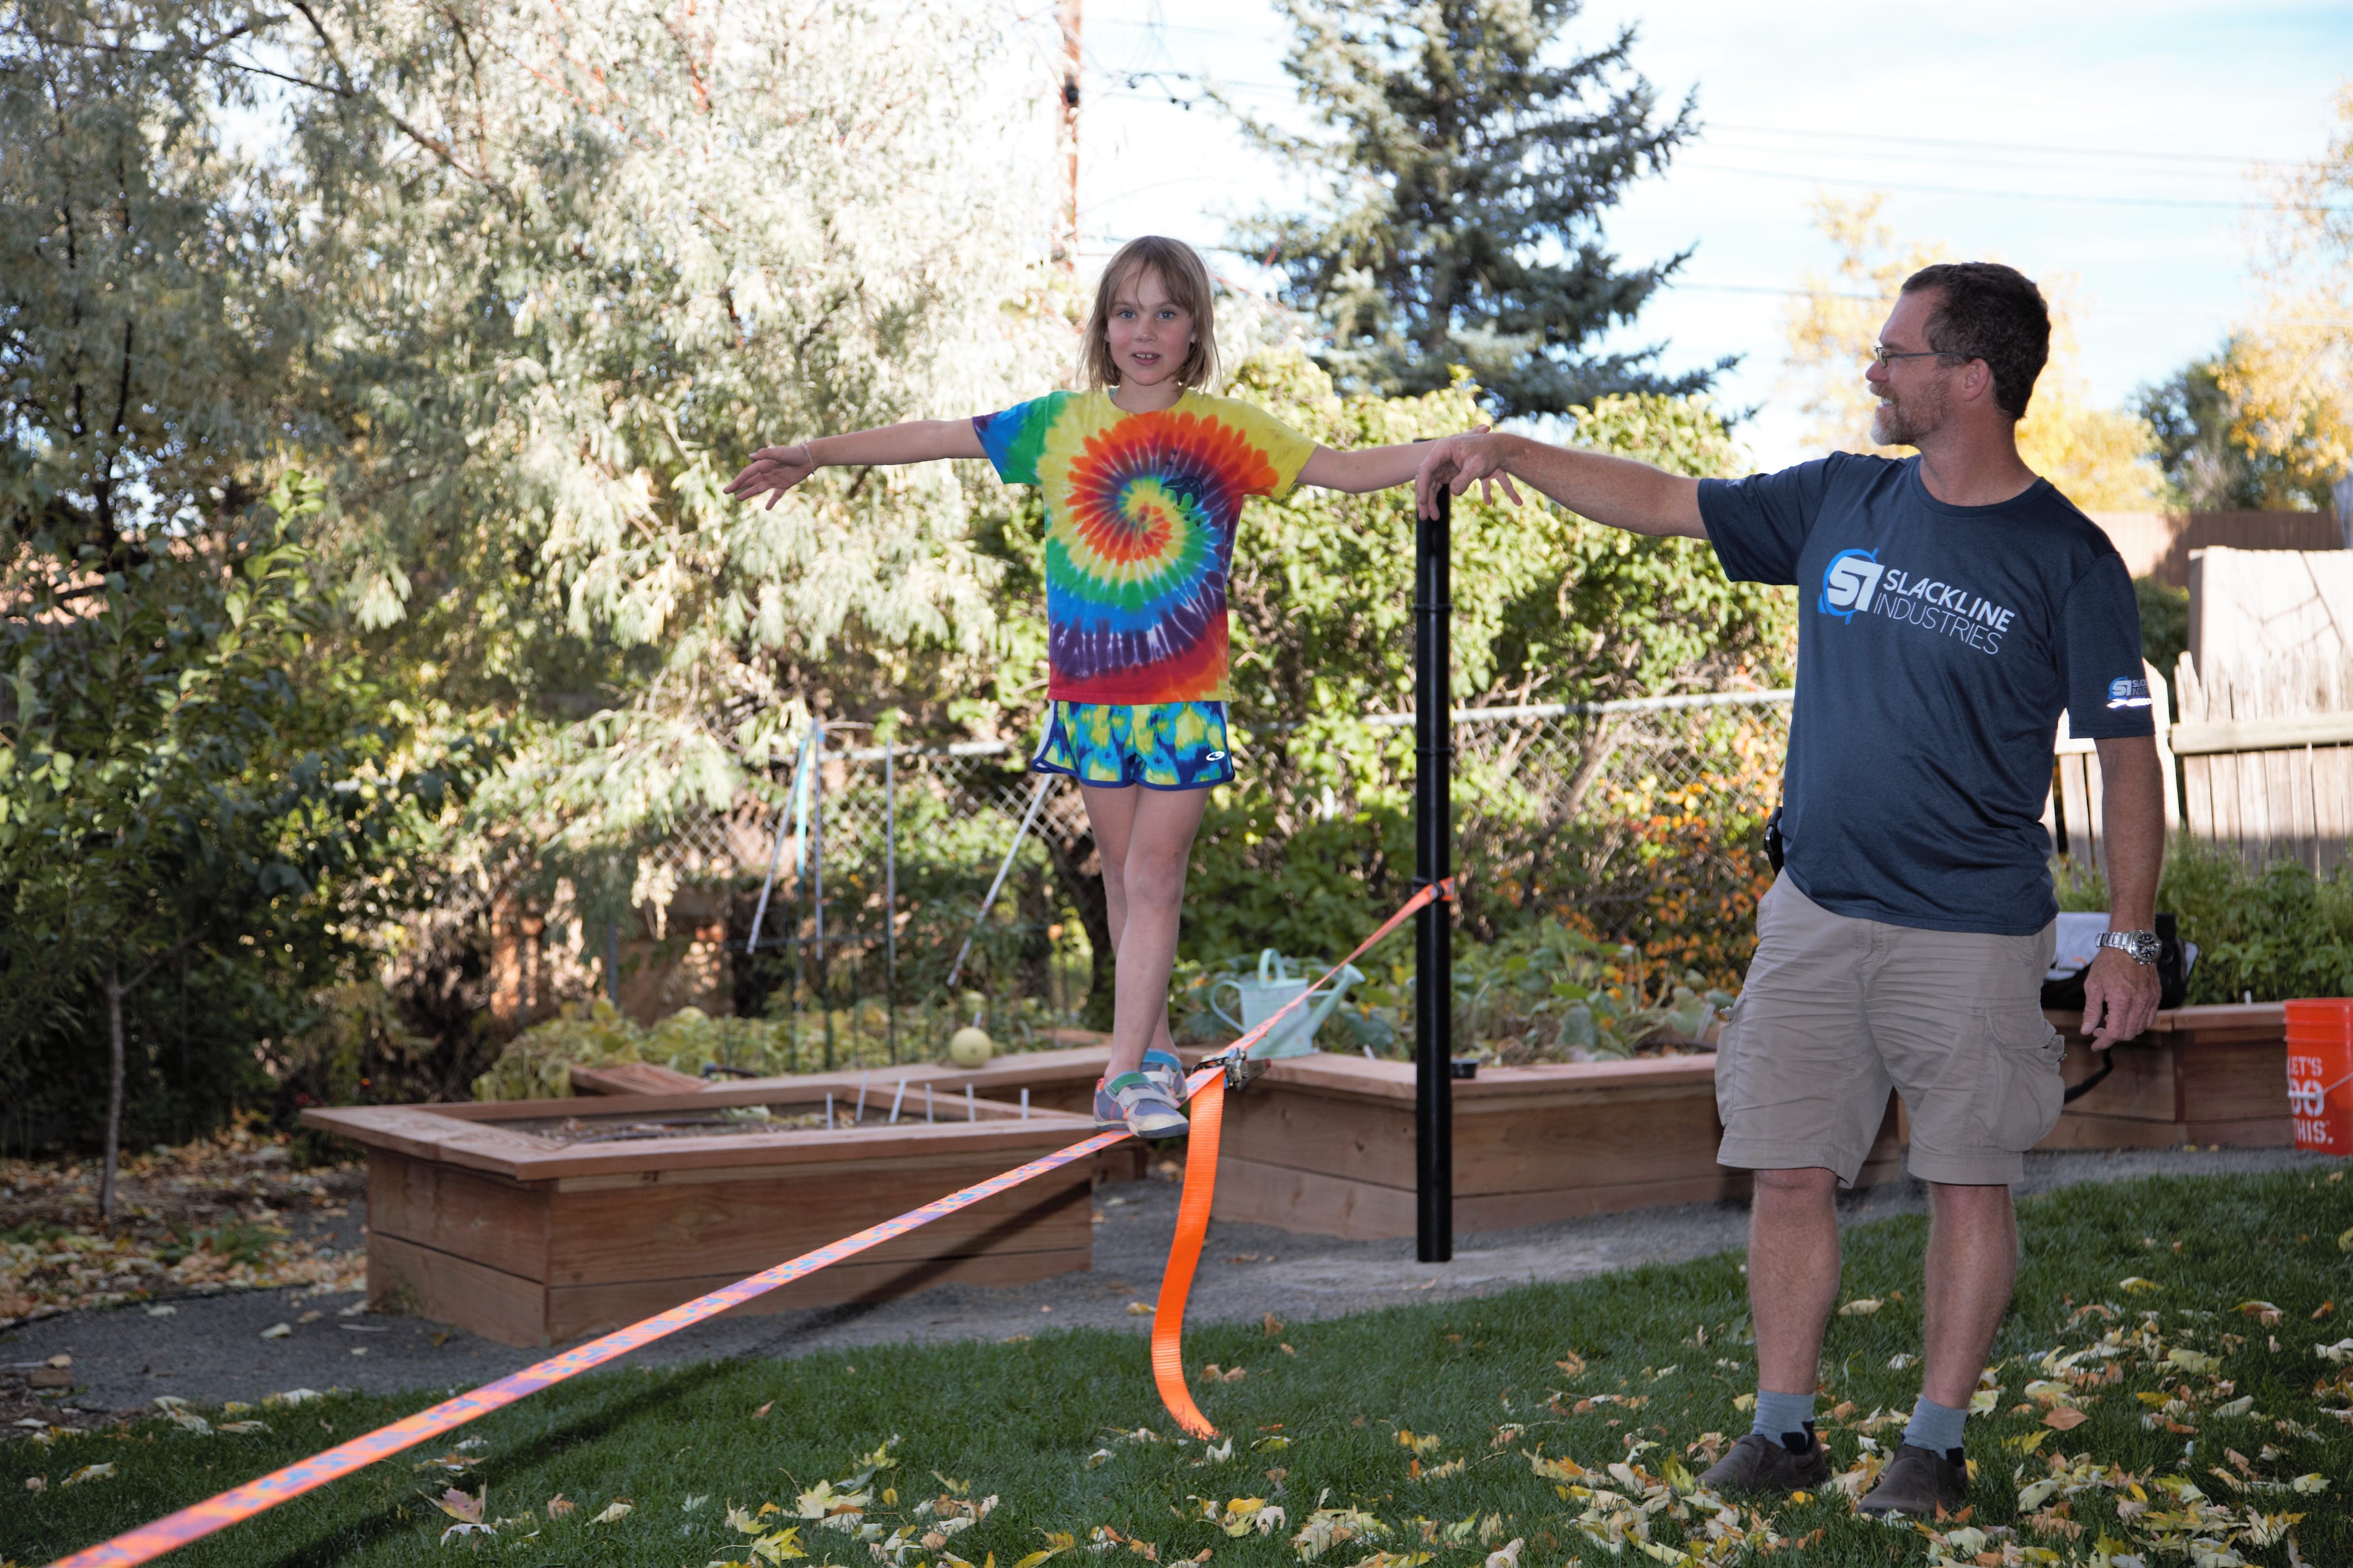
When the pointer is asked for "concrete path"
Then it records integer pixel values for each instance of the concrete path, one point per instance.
(211, 1349)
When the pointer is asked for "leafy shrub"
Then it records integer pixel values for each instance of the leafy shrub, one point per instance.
(2275, 931)
(2164, 622)
(537, 1064)
(1542, 993)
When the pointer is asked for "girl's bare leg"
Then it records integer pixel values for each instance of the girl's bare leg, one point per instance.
(1145, 839)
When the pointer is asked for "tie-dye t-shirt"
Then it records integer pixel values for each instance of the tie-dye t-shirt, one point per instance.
(1141, 511)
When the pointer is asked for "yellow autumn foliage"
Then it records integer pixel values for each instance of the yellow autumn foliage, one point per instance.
(2103, 459)
(2289, 374)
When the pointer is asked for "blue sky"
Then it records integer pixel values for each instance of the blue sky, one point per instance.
(2107, 142)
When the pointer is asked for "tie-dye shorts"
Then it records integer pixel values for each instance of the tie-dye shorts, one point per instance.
(1160, 745)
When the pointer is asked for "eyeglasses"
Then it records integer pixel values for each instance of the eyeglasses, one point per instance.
(1884, 356)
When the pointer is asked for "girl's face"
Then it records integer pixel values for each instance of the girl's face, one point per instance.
(1150, 334)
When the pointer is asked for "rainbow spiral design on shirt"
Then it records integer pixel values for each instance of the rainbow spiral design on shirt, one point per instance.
(1141, 512)
(1137, 553)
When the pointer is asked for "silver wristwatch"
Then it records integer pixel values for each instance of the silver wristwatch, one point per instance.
(2140, 946)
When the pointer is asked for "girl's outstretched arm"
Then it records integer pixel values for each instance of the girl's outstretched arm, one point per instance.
(1367, 469)
(778, 469)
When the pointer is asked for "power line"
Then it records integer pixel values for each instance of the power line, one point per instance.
(2008, 196)
(2144, 153)
(2087, 314)
(1913, 159)
(2223, 163)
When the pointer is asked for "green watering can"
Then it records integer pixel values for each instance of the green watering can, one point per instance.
(1261, 998)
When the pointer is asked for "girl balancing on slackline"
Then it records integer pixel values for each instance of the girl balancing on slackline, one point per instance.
(1144, 474)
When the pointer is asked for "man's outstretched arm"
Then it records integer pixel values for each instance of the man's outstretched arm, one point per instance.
(1619, 491)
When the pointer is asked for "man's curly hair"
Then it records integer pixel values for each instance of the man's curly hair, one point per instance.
(1994, 313)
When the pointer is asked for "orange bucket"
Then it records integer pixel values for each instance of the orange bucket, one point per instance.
(2320, 1073)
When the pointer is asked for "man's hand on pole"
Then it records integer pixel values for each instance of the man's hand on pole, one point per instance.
(1458, 462)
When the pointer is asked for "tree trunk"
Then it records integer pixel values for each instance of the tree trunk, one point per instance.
(114, 1085)
(1078, 867)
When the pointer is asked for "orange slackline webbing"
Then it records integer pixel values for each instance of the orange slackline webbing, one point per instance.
(1207, 1090)
(238, 1503)
(1208, 1113)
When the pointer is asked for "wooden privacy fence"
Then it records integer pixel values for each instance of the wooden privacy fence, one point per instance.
(2158, 544)
(2260, 762)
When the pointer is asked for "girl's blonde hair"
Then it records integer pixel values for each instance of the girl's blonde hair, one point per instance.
(1180, 271)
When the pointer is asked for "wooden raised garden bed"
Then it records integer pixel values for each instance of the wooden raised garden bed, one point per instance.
(536, 1221)
(1324, 1145)
(2201, 1075)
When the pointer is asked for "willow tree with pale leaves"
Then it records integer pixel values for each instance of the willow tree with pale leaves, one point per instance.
(597, 253)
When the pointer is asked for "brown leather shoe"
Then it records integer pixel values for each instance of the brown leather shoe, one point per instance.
(1760, 1464)
(1918, 1481)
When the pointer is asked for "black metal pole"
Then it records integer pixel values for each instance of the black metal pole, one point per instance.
(1433, 861)
(890, 901)
(817, 865)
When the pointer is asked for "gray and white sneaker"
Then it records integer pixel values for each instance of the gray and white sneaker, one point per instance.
(1167, 1072)
(1134, 1101)
(1761, 1464)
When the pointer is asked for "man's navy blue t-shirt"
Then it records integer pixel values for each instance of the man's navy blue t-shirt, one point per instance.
(1936, 648)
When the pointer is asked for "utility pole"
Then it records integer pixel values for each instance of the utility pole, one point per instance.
(1067, 12)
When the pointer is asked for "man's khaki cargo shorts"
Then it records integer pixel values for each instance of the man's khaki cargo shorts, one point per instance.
(1838, 1009)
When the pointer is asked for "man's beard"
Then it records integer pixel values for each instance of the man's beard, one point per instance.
(1903, 423)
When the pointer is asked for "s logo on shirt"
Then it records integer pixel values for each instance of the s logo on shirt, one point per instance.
(1848, 583)
(2125, 693)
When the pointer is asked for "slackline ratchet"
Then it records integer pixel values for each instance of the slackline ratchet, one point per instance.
(1206, 1088)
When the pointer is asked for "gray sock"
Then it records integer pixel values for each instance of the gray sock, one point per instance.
(1934, 1426)
(1782, 1416)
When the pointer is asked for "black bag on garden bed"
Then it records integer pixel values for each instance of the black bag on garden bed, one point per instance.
(2063, 987)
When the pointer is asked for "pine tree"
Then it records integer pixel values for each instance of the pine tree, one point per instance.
(1469, 166)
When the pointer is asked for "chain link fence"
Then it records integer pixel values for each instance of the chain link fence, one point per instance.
(1637, 821)
(1641, 821)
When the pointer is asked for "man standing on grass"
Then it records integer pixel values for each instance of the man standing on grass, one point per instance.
(1951, 605)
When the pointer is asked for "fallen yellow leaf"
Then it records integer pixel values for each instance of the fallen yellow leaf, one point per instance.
(784, 1545)
(2134, 1285)
(1862, 1306)
(615, 1512)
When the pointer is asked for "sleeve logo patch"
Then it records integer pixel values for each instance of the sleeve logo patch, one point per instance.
(2128, 693)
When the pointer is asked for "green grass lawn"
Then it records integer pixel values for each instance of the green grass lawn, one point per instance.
(1568, 1416)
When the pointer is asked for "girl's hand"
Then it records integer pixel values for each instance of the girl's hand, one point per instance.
(772, 471)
